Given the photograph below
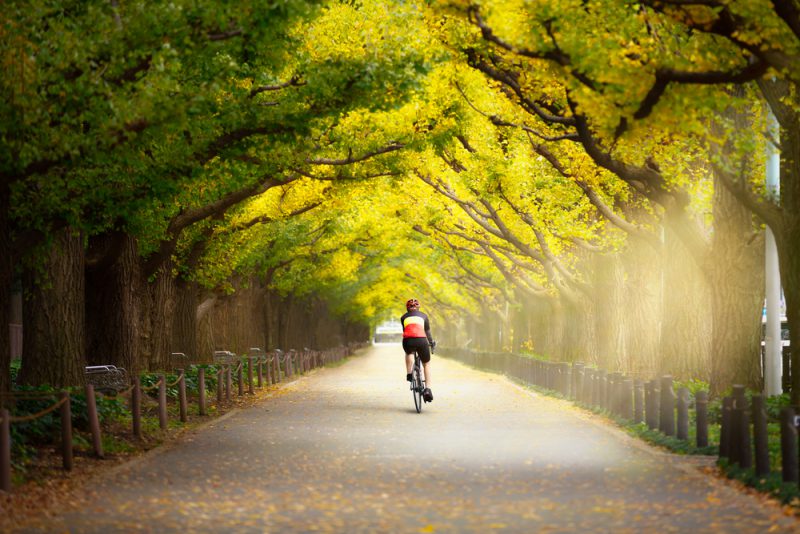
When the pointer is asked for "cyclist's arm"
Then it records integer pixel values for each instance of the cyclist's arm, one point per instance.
(428, 331)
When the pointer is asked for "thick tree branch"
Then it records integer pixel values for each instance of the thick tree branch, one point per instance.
(771, 214)
(556, 55)
(186, 218)
(509, 79)
(294, 81)
(391, 147)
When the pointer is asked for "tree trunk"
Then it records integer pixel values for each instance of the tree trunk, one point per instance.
(285, 310)
(609, 304)
(788, 237)
(113, 308)
(157, 311)
(53, 315)
(184, 322)
(6, 277)
(686, 318)
(642, 288)
(736, 280)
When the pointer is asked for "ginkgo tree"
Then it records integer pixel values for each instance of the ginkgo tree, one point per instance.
(143, 120)
(575, 74)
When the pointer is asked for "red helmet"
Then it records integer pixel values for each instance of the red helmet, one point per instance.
(412, 303)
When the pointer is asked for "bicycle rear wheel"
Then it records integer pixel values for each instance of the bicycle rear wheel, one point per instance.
(416, 388)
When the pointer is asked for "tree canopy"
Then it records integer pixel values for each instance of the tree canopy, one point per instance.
(496, 159)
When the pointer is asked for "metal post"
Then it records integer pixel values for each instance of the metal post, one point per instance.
(94, 421)
(66, 431)
(772, 337)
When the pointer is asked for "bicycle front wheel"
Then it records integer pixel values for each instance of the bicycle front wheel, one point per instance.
(416, 389)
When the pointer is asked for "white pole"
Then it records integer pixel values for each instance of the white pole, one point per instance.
(772, 334)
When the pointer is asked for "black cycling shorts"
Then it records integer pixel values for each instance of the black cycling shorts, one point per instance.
(419, 344)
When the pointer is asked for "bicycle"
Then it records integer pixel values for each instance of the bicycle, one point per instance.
(418, 380)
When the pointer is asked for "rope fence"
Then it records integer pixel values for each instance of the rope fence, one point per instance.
(272, 368)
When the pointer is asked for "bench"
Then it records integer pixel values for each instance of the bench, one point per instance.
(225, 357)
(108, 379)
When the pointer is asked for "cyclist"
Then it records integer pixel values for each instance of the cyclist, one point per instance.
(417, 336)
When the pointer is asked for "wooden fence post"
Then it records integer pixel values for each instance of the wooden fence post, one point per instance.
(260, 373)
(740, 451)
(136, 407)
(701, 412)
(683, 414)
(250, 375)
(725, 428)
(94, 421)
(201, 389)
(760, 436)
(638, 401)
(626, 402)
(667, 413)
(228, 382)
(240, 377)
(788, 445)
(66, 431)
(162, 402)
(182, 396)
(5, 450)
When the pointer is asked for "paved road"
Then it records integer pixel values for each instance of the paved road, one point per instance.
(342, 450)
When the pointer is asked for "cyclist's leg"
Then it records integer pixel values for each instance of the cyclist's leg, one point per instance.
(409, 350)
(425, 356)
(426, 366)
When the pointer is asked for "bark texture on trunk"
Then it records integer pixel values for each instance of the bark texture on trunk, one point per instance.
(185, 321)
(158, 308)
(609, 305)
(642, 288)
(736, 280)
(6, 276)
(788, 240)
(54, 316)
(113, 308)
(686, 318)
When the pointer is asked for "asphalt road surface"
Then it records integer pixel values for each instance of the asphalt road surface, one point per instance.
(343, 450)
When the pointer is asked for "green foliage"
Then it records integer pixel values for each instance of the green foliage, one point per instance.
(772, 484)
(693, 385)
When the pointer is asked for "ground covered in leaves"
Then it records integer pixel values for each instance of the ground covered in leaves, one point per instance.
(343, 450)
